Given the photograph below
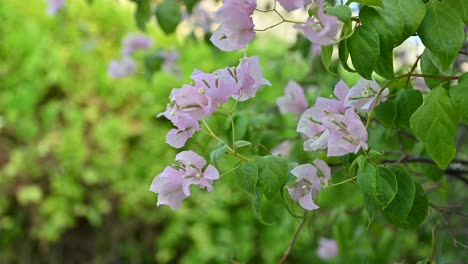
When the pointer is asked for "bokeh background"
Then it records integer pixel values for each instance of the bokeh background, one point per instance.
(78, 152)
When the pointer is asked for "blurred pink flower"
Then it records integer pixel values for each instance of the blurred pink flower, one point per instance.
(294, 101)
(327, 248)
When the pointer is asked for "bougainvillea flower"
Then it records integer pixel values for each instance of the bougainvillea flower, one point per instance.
(363, 95)
(173, 184)
(186, 127)
(249, 78)
(306, 187)
(193, 101)
(219, 85)
(135, 42)
(420, 85)
(294, 100)
(327, 249)
(121, 68)
(320, 29)
(293, 4)
(53, 6)
(236, 30)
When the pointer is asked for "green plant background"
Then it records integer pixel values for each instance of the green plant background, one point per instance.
(78, 152)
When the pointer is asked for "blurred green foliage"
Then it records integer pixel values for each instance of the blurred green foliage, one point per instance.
(78, 152)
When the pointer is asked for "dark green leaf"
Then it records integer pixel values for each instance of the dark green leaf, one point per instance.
(387, 112)
(442, 32)
(153, 62)
(384, 66)
(386, 22)
(408, 101)
(387, 187)
(367, 178)
(342, 12)
(343, 52)
(142, 13)
(364, 49)
(371, 207)
(272, 175)
(399, 208)
(410, 12)
(190, 4)
(247, 177)
(168, 15)
(418, 211)
(459, 96)
(435, 123)
(256, 205)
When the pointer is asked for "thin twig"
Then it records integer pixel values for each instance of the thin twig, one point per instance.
(293, 240)
(434, 230)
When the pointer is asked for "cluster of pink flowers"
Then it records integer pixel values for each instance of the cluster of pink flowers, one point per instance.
(237, 27)
(126, 66)
(309, 183)
(173, 183)
(333, 124)
(193, 102)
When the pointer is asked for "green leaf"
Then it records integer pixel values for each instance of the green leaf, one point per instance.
(399, 208)
(364, 49)
(387, 187)
(371, 207)
(256, 205)
(459, 96)
(272, 175)
(370, 2)
(386, 22)
(142, 13)
(326, 55)
(247, 177)
(242, 143)
(387, 113)
(343, 52)
(418, 211)
(217, 153)
(442, 32)
(408, 101)
(435, 123)
(153, 62)
(342, 12)
(461, 6)
(384, 66)
(190, 4)
(168, 15)
(410, 12)
(428, 67)
(367, 178)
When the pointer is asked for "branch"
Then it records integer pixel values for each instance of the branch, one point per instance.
(293, 240)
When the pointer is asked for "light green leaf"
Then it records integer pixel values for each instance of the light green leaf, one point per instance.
(442, 32)
(461, 6)
(371, 207)
(242, 143)
(168, 15)
(435, 123)
(364, 48)
(272, 175)
(343, 52)
(459, 96)
(370, 2)
(367, 178)
(399, 208)
(247, 177)
(342, 12)
(408, 101)
(428, 67)
(326, 55)
(387, 187)
(217, 153)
